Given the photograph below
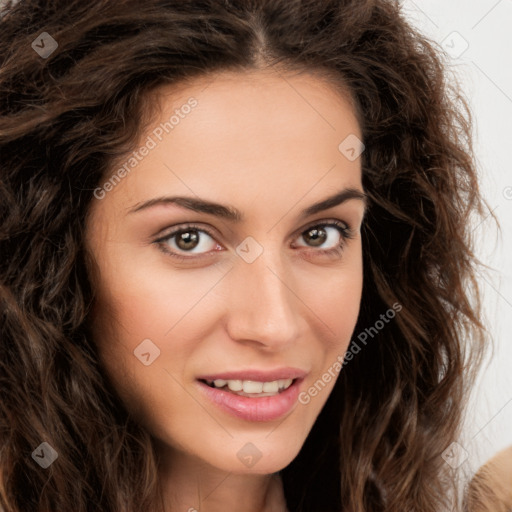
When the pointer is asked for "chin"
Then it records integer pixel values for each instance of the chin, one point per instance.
(256, 457)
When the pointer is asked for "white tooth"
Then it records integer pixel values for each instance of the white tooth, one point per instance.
(271, 387)
(251, 386)
(235, 385)
(280, 383)
(287, 383)
(219, 383)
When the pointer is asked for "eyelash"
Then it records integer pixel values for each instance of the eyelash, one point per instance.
(344, 230)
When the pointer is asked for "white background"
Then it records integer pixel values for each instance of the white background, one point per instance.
(477, 38)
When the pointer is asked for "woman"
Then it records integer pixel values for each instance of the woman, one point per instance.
(237, 271)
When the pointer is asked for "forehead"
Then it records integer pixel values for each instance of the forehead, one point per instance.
(242, 136)
(262, 99)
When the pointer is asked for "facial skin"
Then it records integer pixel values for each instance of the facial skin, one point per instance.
(266, 145)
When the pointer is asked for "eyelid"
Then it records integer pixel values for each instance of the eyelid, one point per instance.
(321, 222)
(170, 231)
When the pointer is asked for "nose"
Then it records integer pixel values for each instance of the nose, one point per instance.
(262, 308)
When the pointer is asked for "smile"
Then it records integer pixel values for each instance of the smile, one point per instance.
(251, 387)
(252, 400)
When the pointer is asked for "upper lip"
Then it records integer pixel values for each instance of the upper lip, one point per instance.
(258, 375)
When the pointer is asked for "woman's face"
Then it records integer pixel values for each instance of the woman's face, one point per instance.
(269, 293)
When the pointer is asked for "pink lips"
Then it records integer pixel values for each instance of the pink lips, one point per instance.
(265, 408)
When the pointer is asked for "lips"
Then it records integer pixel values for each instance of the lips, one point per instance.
(252, 407)
(264, 408)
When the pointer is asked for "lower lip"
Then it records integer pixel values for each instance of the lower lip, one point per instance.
(265, 408)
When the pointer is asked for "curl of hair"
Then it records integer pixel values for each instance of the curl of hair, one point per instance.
(64, 120)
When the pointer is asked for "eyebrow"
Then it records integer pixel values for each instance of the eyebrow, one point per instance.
(232, 214)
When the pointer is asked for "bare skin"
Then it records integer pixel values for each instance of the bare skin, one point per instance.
(491, 487)
(267, 145)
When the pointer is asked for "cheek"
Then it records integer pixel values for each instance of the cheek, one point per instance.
(335, 297)
(142, 306)
(339, 306)
(147, 300)
(145, 366)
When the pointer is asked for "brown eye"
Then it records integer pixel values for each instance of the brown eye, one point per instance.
(186, 240)
(315, 236)
(326, 236)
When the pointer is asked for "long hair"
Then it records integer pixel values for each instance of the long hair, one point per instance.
(66, 116)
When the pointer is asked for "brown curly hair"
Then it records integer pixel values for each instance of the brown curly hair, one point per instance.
(64, 120)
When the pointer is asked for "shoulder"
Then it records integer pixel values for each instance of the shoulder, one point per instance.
(490, 490)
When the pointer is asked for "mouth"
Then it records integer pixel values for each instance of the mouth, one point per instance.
(252, 400)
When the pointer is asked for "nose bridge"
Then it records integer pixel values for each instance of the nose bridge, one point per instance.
(262, 305)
